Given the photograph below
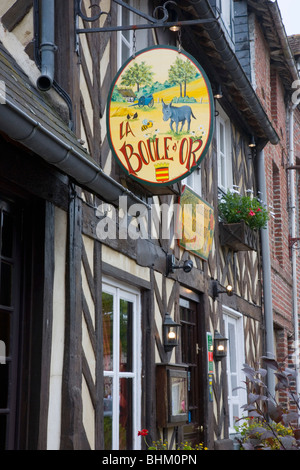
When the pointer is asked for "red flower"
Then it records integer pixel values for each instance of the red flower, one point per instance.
(251, 213)
(143, 432)
(258, 209)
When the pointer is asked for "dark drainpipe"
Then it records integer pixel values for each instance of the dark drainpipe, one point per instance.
(47, 48)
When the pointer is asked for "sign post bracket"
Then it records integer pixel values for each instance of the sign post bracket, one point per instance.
(153, 22)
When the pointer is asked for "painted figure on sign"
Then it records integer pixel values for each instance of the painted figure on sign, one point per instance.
(177, 115)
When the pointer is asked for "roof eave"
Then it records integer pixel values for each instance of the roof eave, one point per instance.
(235, 71)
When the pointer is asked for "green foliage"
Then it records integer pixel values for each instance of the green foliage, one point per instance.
(187, 446)
(180, 73)
(186, 99)
(116, 96)
(256, 432)
(159, 445)
(139, 75)
(163, 445)
(233, 207)
(269, 426)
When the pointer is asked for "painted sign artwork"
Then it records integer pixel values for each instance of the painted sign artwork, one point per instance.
(195, 224)
(160, 115)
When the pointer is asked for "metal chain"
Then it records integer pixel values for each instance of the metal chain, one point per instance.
(179, 41)
(133, 44)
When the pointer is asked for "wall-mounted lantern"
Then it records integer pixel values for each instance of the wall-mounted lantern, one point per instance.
(218, 93)
(187, 265)
(252, 143)
(170, 333)
(216, 291)
(220, 346)
(173, 15)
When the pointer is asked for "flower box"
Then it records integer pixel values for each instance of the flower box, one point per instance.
(238, 236)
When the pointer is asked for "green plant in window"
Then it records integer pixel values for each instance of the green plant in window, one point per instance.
(234, 207)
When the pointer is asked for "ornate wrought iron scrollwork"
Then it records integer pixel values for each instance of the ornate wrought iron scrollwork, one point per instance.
(89, 18)
(164, 10)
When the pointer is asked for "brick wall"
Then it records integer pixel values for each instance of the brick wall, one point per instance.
(262, 68)
(272, 95)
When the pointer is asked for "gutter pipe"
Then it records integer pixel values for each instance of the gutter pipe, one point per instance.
(267, 275)
(54, 150)
(47, 48)
(294, 254)
(233, 66)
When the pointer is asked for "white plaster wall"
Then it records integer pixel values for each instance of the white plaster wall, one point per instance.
(114, 258)
(5, 5)
(88, 414)
(58, 328)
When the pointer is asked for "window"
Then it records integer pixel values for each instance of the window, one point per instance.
(126, 38)
(227, 15)
(223, 134)
(122, 366)
(225, 8)
(193, 181)
(235, 358)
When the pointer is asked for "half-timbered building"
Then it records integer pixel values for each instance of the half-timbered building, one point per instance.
(85, 285)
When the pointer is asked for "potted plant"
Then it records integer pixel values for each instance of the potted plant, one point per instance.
(241, 217)
(269, 425)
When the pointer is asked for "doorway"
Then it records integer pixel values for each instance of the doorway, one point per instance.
(9, 317)
(22, 226)
(192, 355)
(121, 319)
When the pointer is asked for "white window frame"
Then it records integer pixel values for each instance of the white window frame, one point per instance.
(227, 22)
(122, 40)
(240, 398)
(122, 291)
(224, 153)
(193, 181)
(141, 37)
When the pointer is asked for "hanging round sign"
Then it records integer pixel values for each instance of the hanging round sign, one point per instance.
(160, 115)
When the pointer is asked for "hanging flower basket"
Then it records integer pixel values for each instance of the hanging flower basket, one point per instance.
(238, 236)
(241, 218)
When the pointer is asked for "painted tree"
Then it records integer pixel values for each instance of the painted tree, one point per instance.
(139, 75)
(182, 72)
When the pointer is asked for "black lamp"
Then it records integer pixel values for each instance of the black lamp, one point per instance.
(220, 346)
(218, 94)
(216, 291)
(173, 16)
(187, 265)
(170, 333)
(252, 143)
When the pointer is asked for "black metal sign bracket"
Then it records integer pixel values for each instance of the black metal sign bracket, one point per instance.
(153, 21)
